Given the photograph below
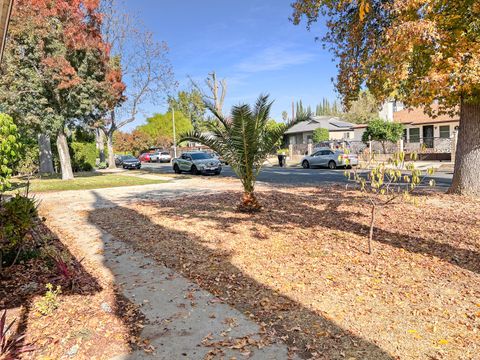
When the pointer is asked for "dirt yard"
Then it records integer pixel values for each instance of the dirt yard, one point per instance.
(300, 267)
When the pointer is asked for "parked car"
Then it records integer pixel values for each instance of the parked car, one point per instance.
(160, 156)
(130, 162)
(119, 159)
(145, 157)
(197, 162)
(329, 158)
(164, 156)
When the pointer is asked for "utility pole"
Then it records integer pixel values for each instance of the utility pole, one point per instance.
(293, 110)
(174, 134)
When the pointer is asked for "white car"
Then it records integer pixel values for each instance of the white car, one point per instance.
(329, 158)
(197, 162)
(164, 156)
(160, 156)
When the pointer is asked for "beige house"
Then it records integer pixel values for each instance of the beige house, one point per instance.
(421, 128)
(421, 131)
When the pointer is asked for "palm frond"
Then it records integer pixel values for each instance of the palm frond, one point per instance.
(243, 140)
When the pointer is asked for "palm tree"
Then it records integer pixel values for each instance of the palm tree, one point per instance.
(244, 140)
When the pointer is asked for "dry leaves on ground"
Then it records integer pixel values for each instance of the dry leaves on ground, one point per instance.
(300, 267)
(91, 321)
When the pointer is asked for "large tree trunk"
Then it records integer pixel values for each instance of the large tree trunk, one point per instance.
(100, 144)
(64, 155)
(45, 154)
(466, 180)
(111, 154)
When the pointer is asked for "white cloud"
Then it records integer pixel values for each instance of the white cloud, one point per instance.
(274, 58)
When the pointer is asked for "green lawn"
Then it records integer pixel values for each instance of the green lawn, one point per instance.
(83, 181)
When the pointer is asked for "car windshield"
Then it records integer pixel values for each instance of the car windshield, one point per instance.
(128, 157)
(165, 153)
(200, 156)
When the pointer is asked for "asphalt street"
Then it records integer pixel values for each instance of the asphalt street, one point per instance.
(297, 176)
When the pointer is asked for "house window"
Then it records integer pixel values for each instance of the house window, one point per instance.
(414, 135)
(404, 134)
(445, 131)
(346, 135)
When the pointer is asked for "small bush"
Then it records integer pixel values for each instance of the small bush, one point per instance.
(17, 218)
(83, 156)
(29, 160)
(9, 149)
(49, 302)
(320, 135)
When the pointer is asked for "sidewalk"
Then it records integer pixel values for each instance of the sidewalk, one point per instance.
(182, 320)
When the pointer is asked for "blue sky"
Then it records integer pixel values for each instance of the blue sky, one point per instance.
(250, 43)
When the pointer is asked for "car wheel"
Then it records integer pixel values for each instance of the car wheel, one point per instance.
(218, 172)
(305, 164)
(332, 165)
(194, 170)
(176, 169)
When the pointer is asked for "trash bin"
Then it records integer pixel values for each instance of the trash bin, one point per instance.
(281, 160)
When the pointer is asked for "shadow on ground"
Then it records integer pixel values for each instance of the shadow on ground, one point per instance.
(214, 271)
(280, 213)
(24, 283)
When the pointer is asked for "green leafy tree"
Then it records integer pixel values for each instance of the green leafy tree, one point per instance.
(320, 135)
(190, 103)
(160, 126)
(383, 131)
(422, 52)
(58, 43)
(9, 149)
(244, 140)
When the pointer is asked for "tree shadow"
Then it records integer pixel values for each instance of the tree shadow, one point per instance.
(212, 269)
(278, 214)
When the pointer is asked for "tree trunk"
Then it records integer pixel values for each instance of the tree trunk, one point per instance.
(45, 154)
(111, 154)
(100, 144)
(372, 225)
(64, 155)
(466, 180)
(249, 203)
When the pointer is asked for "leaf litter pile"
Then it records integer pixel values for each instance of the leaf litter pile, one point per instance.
(89, 319)
(300, 267)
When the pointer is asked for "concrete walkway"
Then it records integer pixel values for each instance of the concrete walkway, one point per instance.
(183, 321)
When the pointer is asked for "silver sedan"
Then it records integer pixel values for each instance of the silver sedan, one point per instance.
(329, 158)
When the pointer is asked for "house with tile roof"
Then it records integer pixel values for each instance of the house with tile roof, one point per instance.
(432, 133)
(425, 129)
(302, 133)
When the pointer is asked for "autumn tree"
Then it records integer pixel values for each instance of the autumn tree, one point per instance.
(134, 142)
(418, 51)
(143, 65)
(56, 63)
